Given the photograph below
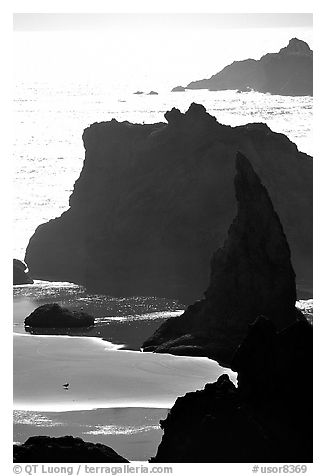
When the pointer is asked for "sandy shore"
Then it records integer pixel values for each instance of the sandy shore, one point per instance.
(99, 376)
(115, 397)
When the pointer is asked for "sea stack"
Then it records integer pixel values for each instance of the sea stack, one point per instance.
(154, 201)
(178, 89)
(54, 316)
(251, 275)
(20, 273)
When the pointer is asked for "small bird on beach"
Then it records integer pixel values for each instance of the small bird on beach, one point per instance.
(66, 385)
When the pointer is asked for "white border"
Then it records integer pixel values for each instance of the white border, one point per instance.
(168, 6)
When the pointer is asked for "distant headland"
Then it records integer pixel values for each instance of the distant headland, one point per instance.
(288, 72)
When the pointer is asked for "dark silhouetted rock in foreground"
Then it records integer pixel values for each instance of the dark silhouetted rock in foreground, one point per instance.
(251, 275)
(65, 449)
(20, 274)
(178, 89)
(53, 315)
(288, 72)
(268, 418)
(154, 201)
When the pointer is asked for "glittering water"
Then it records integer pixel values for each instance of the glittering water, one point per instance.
(115, 397)
(128, 321)
(49, 122)
(49, 119)
(133, 432)
(48, 157)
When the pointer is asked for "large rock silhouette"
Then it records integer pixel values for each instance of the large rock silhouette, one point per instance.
(288, 72)
(154, 201)
(251, 275)
(267, 418)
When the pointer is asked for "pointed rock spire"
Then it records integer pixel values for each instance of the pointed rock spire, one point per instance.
(251, 275)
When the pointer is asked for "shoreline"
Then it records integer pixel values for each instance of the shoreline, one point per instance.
(122, 321)
(129, 425)
(100, 377)
(132, 432)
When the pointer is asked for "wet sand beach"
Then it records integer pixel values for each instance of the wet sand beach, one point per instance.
(115, 396)
(99, 376)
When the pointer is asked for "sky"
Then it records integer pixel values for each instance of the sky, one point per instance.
(89, 21)
(154, 50)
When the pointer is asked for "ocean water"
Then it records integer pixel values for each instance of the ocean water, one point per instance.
(134, 433)
(125, 322)
(117, 395)
(49, 121)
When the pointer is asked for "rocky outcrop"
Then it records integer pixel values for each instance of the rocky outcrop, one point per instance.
(251, 275)
(152, 93)
(53, 315)
(20, 274)
(244, 90)
(288, 72)
(65, 449)
(267, 418)
(178, 89)
(154, 201)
